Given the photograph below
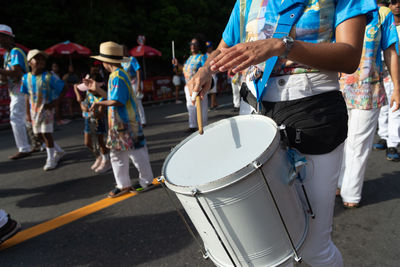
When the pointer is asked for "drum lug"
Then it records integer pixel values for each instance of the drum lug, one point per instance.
(206, 255)
(257, 164)
(298, 259)
(160, 179)
(195, 192)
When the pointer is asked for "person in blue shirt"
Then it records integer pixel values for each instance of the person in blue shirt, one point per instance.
(365, 95)
(197, 59)
(42, 91)
(95, 127)
(132, 67)
(125, 134)
(15, 65)
(327, 39)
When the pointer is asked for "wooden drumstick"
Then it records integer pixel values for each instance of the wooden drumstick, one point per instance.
(199, 115)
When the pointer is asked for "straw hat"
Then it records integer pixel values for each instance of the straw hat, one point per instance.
(5, 29)
(33, 53)
(111, 52)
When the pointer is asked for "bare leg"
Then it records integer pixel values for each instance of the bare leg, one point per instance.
(48, 139)
(88, 141)
(103, 149)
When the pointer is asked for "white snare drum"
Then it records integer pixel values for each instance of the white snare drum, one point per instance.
(219, 179)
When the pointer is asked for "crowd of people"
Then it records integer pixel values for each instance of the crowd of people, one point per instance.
(364, 96)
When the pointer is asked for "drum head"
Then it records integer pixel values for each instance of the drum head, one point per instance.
(225, 148)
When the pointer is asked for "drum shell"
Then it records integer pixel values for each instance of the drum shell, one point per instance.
(242, 210)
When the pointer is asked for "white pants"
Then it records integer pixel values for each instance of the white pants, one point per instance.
(140, 108)
(193, 112)
(322, 171)
(120, 165)
(389, 122)
(17, 121)
(3, 218)
(322, 174)
(236, 94)
(362, 126)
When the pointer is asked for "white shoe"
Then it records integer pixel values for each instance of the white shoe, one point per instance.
(104, 166)
(50, 165)
(96, 164)
(58, 156)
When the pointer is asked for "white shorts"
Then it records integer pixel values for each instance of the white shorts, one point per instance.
(176, 80)
(43, 128)
(45, 124)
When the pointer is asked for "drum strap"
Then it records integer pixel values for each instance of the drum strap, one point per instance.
(289, 13)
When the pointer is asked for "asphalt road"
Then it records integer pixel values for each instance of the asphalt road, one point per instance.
(145, 230)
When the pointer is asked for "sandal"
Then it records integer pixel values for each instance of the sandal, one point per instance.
(349, 205)
(337, 192)
(116, 192)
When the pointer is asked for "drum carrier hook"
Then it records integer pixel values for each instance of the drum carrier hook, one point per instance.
(258, 166)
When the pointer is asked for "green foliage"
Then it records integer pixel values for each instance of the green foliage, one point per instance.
(43, 23)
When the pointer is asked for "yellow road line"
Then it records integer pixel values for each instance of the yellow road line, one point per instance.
(64, 219)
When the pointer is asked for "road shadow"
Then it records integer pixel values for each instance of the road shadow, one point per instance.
(384, 188)
(127, 241)
(37, 160)
(65, 191)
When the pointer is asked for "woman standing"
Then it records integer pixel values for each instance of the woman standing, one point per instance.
(365, 95)
(196, 60)
(326, 39)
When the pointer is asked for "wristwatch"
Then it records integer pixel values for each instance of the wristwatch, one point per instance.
(288, 41)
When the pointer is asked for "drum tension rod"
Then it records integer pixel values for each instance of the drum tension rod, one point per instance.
(258, 166)
(310, 210)
(202, 250)
(195, 194)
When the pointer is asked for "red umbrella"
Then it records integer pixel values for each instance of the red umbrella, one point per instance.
(68, 48)
(24, 48)
(144, 51)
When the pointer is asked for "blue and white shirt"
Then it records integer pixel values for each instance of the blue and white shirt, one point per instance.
(124, 128)
(316, 25)
(16, 57)
(193, 64)
(131, 67)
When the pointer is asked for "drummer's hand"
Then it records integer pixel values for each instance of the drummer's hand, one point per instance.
(174, 62)
(243, 55)
(200, 83)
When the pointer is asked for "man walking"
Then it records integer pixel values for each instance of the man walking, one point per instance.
(15, 65)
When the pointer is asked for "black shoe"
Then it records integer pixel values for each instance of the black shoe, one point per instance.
(138, 188)
(392, 154)
(116, 192)
(380, 145)
(190, 130)
(236, 109)
(9, 229)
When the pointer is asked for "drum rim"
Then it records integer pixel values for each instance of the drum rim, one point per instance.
(231, 178)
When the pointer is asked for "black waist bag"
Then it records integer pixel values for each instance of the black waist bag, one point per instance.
(313, 125)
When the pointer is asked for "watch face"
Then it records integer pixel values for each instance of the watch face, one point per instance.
(288, 41)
